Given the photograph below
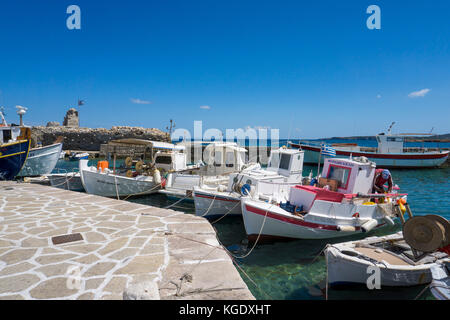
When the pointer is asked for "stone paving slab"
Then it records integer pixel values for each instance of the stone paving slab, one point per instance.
(124, 245)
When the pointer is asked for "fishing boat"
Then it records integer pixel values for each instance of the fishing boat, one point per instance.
(340, 204)
(139, 177)
(219, 160)
(14, 147)
(403, 259)
(67, 181)
(283, 171)
(75, 156)
(41, 160)
(390, 153)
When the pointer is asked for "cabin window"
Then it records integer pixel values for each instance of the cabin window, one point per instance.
(7, 135)
(229, 162)
(163, 160)
(392, 139)
(218, 159)
(340, 174)
(285, 161)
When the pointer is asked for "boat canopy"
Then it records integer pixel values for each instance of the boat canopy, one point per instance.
(154, 144)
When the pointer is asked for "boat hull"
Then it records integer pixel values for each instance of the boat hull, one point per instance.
(212, 205)
(270, 222)
(401, 160)
(12, 158)
(41, 161)
(70, 181)
(110, 185)
(348, 271)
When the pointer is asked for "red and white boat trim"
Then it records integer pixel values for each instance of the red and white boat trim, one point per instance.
(385, 160)
(269, 221)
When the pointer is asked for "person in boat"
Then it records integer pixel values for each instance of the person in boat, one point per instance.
(381, 177)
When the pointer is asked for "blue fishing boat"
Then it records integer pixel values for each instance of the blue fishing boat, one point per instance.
(14, 148)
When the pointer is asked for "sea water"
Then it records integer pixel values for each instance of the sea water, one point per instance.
(294, 269)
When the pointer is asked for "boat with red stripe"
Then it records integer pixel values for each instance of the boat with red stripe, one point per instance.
(340, 205)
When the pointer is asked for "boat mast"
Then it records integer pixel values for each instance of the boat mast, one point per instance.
(3, 124)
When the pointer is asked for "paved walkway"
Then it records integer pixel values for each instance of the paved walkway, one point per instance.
(125, 247)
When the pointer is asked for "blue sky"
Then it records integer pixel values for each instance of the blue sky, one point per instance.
(309, 69)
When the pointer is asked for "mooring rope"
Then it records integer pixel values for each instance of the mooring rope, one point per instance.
(178, 201)
(257, 239)
(239, 202)
(65, 181)
(210, 206)
(222, 247)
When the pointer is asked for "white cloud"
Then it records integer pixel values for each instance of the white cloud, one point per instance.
(139, 101)
(205, 107)
(420, 93)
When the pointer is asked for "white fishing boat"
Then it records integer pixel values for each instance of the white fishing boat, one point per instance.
(219, 160)
(144, 179)
(390, 152)
(339, 206)
(67, 181)
(41, 161)
(283, 171)
(75, 156)
(403, 259)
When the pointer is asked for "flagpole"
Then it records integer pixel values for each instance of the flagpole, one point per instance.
(318, 164)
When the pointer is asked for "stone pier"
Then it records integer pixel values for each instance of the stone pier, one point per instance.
(57, 244)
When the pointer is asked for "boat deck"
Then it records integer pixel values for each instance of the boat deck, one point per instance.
(59, 244)
(382, 256)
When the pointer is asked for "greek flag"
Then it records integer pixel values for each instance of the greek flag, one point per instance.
(328, 151)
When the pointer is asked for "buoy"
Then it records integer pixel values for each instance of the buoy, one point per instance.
(346, 228)
(401, 206)
(369, 225)
(157, 176)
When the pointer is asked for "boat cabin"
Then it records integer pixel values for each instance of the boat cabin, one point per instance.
(9, 134)
(349, 175)
(287, 163)
(340, 177)
(390, 143)
(165, 156)
(219, 157)
(284, 169)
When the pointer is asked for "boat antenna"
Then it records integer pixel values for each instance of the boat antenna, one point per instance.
(2, 115)
(390, 127)
(21, 111)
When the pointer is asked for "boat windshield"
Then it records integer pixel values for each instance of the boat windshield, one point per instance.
(339, 173)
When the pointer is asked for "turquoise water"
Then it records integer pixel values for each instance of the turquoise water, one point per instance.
(288, 270)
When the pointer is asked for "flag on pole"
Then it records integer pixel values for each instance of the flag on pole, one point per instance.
(328, 151)
(80, 102)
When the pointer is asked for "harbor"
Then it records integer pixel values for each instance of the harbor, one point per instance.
(225, 159)
(146, 219)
